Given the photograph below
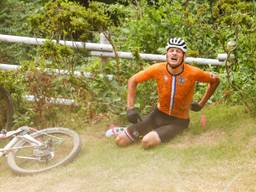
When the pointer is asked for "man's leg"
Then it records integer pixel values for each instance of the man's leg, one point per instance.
(151, 139)
(133, 132)
(164, 133)
(124, 139)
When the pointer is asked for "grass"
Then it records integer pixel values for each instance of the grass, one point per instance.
(219, 157)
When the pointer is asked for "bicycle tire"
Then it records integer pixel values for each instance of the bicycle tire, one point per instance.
(28, 166)
(6, 109)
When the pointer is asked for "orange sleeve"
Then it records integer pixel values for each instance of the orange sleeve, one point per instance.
(207, 77)
(146, 74)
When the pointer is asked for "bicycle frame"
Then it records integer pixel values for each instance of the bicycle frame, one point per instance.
(10, 146)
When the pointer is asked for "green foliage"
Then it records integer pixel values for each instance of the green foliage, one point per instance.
(13, 81)
(236, 20)
(68, 20)
(13, 17)
(157, 24)
(58, 56)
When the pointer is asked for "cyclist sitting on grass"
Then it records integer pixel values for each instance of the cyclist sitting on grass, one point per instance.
(175, 86)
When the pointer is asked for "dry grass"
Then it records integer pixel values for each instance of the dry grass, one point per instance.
(213, 160)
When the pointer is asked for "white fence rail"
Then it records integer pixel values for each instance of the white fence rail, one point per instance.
(57, 101)
(13, 67)
(106, 50)
(40, 41)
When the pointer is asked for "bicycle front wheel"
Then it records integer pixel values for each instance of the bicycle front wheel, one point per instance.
(60, 146)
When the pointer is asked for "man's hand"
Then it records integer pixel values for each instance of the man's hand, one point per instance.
(195, 106)
(133, 116)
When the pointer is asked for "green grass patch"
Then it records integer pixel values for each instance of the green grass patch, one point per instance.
(211, 159)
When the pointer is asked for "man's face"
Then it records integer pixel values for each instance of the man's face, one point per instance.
(175, 57)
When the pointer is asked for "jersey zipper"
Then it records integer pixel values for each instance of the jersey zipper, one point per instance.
(173, 91)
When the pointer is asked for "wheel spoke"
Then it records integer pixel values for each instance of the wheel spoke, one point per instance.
(59, 145)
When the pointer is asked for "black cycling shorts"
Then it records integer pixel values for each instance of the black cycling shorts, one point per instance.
(166, 126)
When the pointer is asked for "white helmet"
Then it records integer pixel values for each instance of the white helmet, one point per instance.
(177, 42)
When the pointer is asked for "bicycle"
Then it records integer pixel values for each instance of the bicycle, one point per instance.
(6, 109)
(32, 151)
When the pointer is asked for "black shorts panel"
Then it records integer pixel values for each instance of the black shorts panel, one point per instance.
(166, 126)
(167, 132)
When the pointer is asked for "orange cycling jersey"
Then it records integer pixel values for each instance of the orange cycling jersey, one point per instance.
(175, 92)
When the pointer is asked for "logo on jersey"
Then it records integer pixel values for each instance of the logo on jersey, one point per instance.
(181, 80)
(165, 78)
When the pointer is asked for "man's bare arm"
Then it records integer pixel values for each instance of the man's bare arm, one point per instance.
(210, 90)
(132, 86)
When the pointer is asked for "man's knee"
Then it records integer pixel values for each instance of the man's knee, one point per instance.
(150, 140)
(122, 140)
